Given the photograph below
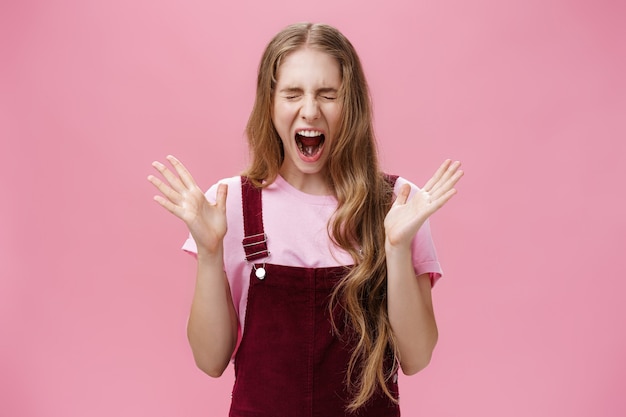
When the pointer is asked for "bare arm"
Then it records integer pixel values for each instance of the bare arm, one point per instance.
(409, 298)
(212, 326)
(411, 314)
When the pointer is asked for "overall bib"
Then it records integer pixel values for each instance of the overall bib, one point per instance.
(290, 362)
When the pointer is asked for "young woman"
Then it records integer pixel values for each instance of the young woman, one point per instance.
(314, 268)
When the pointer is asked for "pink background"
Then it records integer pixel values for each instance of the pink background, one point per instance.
(529, 94)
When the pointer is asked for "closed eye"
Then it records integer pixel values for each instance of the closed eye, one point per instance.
(328, 94)
(291, 93)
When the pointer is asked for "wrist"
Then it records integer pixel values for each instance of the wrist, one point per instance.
(397, 248)
(205, 254)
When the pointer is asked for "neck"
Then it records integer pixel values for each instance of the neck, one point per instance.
(314, 184)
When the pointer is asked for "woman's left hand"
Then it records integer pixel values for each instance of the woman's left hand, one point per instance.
(406, 216)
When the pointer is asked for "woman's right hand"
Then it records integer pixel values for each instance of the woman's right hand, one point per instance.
(183, 198)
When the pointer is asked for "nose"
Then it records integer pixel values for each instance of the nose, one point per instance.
(310, 109)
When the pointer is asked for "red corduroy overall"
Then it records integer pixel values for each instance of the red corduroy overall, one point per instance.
(290, 363)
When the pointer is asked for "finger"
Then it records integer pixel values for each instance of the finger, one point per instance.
(183, 172)
(444, 198)
(166, 190)
(172, 179)
(447, 174)
(447, 185)
(403, 194)
(168, 205)
(438, 174)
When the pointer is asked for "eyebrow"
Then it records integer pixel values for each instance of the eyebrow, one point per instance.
(299, 90)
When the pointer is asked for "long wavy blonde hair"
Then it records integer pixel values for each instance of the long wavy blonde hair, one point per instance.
(363, 195)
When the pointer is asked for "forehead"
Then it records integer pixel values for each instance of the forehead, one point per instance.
(309, 67)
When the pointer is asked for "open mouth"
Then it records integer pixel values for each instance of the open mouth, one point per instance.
(309, 142)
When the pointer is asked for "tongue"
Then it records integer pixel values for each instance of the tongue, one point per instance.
(310, 145)
(315, 141)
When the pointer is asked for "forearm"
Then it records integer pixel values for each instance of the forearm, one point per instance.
(410, 311)
(212, 326)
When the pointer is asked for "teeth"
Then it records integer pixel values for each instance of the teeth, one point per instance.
(310, 133)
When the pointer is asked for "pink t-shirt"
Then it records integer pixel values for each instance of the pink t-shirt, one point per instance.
(288, 215)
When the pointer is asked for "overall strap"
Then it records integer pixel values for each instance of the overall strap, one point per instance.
(255, 239)
(391, 179)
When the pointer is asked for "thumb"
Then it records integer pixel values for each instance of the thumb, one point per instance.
(403, 195)
(220, 196)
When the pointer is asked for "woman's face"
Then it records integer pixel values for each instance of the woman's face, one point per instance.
(306, 114)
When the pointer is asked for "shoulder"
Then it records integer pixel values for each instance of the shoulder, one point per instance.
(230, 181)
(400, 181)
(234, 188)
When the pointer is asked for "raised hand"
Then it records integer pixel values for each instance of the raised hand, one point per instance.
(183, 198)
(406, 216)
